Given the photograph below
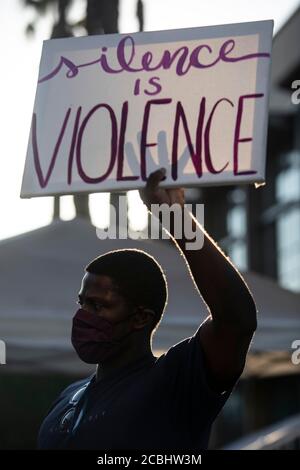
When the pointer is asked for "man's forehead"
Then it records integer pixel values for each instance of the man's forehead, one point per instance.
(97, 283)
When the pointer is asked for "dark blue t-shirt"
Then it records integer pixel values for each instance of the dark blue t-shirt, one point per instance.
(154, 403)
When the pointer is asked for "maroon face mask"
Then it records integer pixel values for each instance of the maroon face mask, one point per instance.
(93, 336)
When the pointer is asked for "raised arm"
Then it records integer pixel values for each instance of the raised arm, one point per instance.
(227, 332)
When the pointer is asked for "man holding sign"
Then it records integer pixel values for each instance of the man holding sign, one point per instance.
(109, 111)
(135, 400)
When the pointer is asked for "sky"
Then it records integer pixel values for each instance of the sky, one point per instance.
(19, 70)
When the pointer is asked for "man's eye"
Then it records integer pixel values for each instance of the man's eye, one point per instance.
(98, 306)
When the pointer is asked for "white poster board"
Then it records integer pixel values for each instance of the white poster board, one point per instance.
(111, 109)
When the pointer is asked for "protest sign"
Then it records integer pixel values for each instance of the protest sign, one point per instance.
(111, 109)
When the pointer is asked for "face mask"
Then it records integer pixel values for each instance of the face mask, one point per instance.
(93, 336)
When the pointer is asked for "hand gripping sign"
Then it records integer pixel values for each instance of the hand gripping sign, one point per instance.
(111, 109)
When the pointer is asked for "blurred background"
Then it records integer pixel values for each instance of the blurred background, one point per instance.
(46, 242)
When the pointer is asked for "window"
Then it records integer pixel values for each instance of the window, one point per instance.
(235, 243)
(288, 222)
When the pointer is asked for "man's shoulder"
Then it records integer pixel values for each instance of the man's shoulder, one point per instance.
(184, 347)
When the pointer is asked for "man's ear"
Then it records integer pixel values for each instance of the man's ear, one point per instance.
(144, 316)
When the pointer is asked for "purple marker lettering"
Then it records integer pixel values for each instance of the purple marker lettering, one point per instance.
(194, 60)
(229, 45)
(237, 138)
(168, 60)
(196, 156)
(182, 59)
(208, 160)
(123, 61)
(144, 143)
(44, 181)
(120, 163)
(154, 81)
(114, 140)
(137, 87)
(73, 143)
(72, 72)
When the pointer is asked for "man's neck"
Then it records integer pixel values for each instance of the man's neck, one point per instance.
(120, 362)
